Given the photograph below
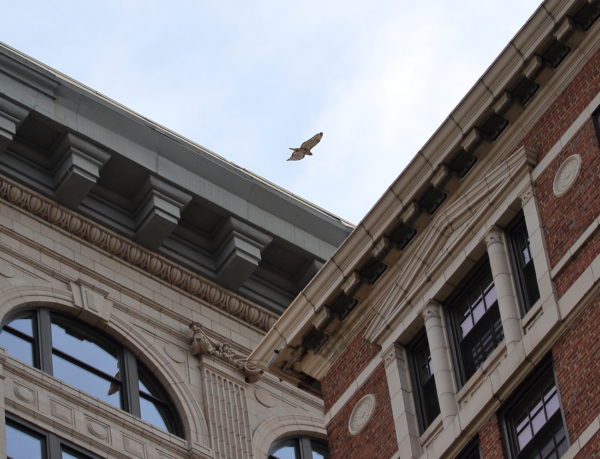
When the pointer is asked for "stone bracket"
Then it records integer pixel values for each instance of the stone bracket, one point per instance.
(203, 345)
(239, 252)
(94, 304)
(78, 169)
(11, 116)
(159, 210)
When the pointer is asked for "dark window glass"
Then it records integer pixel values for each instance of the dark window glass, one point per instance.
(522, 261)
(299, 448)
(475, 320)
(533, 418)
(425, 392)
(21, 443)
(26, 441)
(89, 361)
(471, 451)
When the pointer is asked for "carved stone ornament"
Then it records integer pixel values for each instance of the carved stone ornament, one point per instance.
(202, 344)
(134, 254)
(361, 414)
(566, 175)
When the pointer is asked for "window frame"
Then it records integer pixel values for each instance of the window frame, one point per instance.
(471, 451)
(127, 363)
(419, 386)
(523, 291)
(456, 300)
(52, 444)
(303, 446)
(540, 375)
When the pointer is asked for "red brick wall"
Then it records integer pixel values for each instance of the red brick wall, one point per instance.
(344, 371)
(378, 438)
(490, 441)
(565, 108)
(566, 217)
(577, 368)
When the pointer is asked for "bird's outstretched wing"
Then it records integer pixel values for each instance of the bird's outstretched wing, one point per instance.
(297, 155)
(312, 141)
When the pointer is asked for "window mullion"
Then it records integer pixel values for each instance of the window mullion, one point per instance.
(130, 381)
(44, 340)
(54, 448)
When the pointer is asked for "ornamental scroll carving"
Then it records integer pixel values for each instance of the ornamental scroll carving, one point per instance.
(134, 254)
(202, 344)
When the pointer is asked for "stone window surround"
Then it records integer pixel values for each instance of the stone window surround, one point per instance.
(74, 415)
(129, 367)
(453, 401)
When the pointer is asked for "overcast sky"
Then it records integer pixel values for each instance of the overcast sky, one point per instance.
(248, 79)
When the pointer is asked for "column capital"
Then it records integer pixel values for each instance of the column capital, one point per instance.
(493, 236)
(526, 195)
(432, 309)
(391, 354)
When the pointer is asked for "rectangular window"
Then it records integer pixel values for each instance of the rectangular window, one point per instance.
(533, 422)
(471, 451)
(423, 381)
(27, 440)
(522, 261)
(475, 321)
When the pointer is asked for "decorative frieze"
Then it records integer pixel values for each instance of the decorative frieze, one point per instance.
(134, 254)
(202, 344)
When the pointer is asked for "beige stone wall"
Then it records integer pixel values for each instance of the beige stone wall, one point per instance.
(223, 415)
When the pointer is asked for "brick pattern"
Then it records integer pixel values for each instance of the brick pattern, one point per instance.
(577, 370)
(378, 438)
(565, 108)
(348, 366)
(591, 449)
(566, 217)
(490, 440)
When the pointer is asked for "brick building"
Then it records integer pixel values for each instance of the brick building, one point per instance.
(145, 281)
(460, 317)
(137, 272)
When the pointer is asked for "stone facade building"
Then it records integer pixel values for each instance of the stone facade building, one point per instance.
(157, 301)
(137, 272)
(460, 317)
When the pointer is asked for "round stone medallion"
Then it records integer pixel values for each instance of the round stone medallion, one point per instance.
(566, 175)
(361, 414)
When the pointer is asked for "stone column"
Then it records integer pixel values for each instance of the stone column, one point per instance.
(440, 361)
(507, 302)
(402, 401)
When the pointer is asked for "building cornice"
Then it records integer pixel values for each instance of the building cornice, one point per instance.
(406, 208)
(134, 254)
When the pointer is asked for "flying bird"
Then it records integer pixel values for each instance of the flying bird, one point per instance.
(299, 153)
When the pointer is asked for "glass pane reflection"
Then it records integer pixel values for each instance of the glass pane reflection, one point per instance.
(17, 347)
(287, 452)
(151, 414)
(86, 381)
(25, 326)
(83, 350)
(22, 445)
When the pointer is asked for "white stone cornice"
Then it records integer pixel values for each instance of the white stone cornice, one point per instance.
(132, 253)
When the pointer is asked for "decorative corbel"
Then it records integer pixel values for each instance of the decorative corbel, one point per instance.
(203, 345)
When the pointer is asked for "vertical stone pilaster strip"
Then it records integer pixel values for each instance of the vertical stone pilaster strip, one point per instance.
(507, 301)
(440, 361)
(401, 397)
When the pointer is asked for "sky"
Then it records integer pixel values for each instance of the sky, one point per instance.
(248, 79)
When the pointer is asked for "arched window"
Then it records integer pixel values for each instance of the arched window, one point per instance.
(91, 361)
(299, 448)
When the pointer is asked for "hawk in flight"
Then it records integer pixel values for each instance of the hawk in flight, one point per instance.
(299, 153)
